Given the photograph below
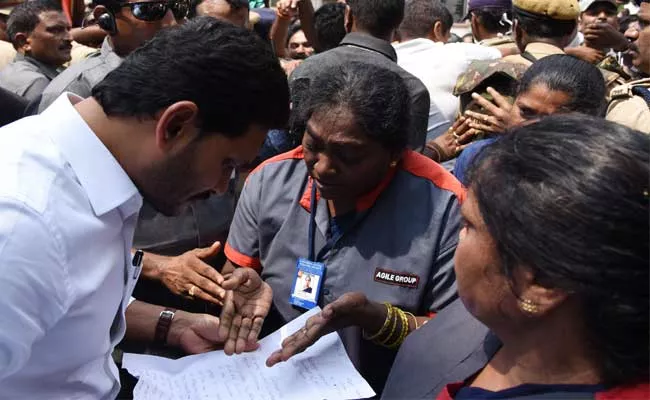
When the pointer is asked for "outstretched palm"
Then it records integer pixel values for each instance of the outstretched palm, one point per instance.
(247, 303)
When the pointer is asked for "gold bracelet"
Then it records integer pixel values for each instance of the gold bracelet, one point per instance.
(392, 328)
(415, 320)
(398, 340)
(389, 314)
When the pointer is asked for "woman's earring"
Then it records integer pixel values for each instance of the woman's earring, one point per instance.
(393, 164)
(528, 306)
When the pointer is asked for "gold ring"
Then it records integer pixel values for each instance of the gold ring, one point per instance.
(191, 291)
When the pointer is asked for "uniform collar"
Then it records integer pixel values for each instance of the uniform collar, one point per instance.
(370, 43)
(539, 49)
(106, 184)
(49, 71)
(363, 203)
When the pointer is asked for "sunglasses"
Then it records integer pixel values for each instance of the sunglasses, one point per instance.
(151, 11)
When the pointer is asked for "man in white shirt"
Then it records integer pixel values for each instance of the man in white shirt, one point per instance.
(165, 125)
(424, 53)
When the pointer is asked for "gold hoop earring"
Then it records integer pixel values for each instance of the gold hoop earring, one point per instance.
(528, 306)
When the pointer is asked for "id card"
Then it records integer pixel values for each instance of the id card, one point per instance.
(307, 283)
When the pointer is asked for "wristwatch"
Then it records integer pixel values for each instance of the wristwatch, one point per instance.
(162, 328)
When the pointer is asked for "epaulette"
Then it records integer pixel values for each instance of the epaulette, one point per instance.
(624, 91)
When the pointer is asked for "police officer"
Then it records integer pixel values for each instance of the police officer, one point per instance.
(629, 104)
(40, 34)
(542, 28)
(491, 20)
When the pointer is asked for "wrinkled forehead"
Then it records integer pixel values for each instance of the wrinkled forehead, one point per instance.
(53, 18)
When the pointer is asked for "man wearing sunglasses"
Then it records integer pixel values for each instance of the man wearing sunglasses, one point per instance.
(128, 25)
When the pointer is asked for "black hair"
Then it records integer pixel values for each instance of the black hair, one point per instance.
(329, 24)
(230, 73)
(26, 16)
(378, 17)
(234, 4)
(582, 81)
(491, 19)
(377, 97)
(543, 27)
(625, 22)
(293, 29)
(421, 15)
(568, 198)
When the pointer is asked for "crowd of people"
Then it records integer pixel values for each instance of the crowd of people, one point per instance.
(471, 214)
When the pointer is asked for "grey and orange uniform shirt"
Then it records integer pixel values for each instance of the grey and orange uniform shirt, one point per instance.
(399, 248)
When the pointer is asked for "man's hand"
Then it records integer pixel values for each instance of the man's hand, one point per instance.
(247, 303)
(601, 35)
(348, 310)
(196, 333)
(592, 56)
(447, 146)
(188, 275)
(288, 9)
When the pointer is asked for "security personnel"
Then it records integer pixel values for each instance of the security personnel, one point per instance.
(491, 21)
(630, 104)
(542, 28)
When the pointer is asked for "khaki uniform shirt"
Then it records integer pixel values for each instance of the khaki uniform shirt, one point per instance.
(537, 50)
(501, 43)
(628, 109)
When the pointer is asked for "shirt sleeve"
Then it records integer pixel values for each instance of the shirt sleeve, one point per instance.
(78, 86)
(33, 282)
(442, 284)
(243, 245)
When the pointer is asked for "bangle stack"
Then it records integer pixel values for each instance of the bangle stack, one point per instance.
(395, 329)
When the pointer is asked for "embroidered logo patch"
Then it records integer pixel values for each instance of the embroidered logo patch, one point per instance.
(397, 278)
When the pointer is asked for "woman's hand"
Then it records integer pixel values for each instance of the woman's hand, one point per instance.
(348, 310)
(499, 115)
(447, 146)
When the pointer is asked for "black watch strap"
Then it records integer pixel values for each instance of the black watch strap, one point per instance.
(162, 328)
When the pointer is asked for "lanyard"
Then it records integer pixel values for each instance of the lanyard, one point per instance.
(312, 232)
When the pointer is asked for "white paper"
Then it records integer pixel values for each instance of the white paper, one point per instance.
(323, 371)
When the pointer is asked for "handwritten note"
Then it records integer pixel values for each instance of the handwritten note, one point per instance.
(323, 371)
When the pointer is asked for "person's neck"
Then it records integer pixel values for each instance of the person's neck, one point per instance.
(545, 41)
(362, 31)
(121, 50)
(340, 207)
(552, 351)
(117, 134)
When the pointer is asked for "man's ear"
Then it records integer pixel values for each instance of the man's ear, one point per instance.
(176, 126)
(21, 42)
(349, 19)
(438, 32)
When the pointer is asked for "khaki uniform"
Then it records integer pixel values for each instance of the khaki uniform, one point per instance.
(501, 43)
(7, 53)
(537, 50)
(628, 109)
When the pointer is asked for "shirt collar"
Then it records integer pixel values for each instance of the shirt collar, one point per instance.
(543, 49)
(363, 203)
(49, 71)
(371, 43)
(107, 185)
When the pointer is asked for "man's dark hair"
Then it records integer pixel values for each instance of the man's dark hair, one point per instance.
(625, 22)
(543, 27)
(378, 17)
(581, 81)
(377, 98)
(421, 15)
(230, 73)
(293, 29)
(26, 16)
(567, 197)
(329, 24)
(491, 19)
(234, 4)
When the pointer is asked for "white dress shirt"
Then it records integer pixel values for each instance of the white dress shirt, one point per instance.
(438, 66)
(67, 216)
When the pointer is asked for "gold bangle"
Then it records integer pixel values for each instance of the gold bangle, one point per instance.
(392, 328)
(415, 320)
(403, 331)
(389, 314)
